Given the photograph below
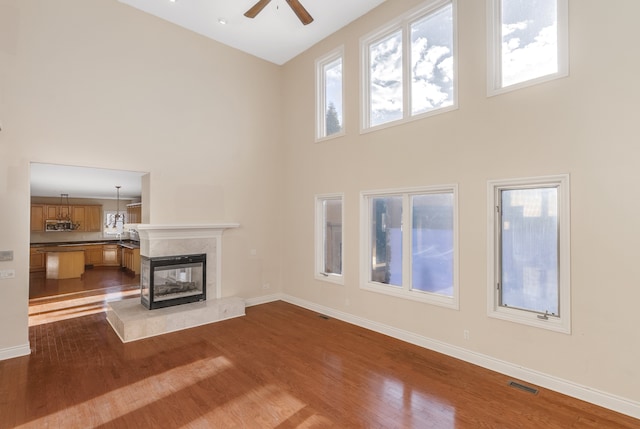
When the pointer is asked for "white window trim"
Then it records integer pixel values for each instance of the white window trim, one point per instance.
(319, 273)
(321, 94)
(365, 247)
(403, 22)
(494, 310)
(494, 50)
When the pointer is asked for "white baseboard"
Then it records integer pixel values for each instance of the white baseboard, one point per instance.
(250, 302)
(575, 390)
(13, 352)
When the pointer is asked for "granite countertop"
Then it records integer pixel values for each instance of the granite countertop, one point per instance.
(75, 244)
(59, 250)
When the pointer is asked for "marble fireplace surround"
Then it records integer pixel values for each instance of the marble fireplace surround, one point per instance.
(175, 240)
(132, 321)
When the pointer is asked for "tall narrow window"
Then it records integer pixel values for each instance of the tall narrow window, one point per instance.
(329, 236)
(386, 79)
(409, 66)
(409, 244)
(330, 116)
(529, 280)
(527, 42)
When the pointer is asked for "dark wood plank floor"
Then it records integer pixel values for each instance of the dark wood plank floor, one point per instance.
(54, 300)
(279, 366)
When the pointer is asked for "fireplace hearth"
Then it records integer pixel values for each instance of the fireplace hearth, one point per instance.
(173, 280)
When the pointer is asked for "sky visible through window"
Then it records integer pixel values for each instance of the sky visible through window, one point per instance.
(333, 88)
(432, 62)
(431, 66)
(529, 40)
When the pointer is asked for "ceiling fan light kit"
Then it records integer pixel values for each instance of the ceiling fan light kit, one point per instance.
(295, 5)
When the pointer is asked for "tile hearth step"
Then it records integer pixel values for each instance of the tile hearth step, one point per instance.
(132, 321)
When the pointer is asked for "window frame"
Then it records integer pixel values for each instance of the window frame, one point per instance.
(405, 291)
(321, 94)
(494, 50)
(403, 23)
(320, 250)
(562, 322)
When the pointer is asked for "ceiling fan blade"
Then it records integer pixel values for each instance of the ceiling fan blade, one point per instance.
(251, 13)
(299, 10)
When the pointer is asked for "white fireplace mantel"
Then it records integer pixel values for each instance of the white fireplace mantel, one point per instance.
(150, 231)
(174, 240)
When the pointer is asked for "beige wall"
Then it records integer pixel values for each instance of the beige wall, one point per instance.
(585, 125)
(229, 138)
(101, 84)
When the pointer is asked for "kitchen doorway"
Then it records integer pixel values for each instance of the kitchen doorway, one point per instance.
(105, 257)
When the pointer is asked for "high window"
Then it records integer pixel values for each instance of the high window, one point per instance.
(528, 42)
(409, 244)
(409, 66)
(329, 83)
(529, 256)
(329, 236)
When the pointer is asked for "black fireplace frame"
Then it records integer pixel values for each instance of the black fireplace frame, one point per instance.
(164, 261)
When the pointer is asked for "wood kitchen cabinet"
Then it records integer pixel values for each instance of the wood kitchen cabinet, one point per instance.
(37, 217)
(111, 255)
(93, 254)
(78, 217)
(93, 218)
(88, 218)
(37, 260)
(134, 213)
(131, 260)
(55, 211)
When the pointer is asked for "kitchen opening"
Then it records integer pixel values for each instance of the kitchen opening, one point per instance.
(84, 248)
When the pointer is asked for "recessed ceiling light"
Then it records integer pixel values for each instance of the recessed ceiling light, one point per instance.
(222, 21)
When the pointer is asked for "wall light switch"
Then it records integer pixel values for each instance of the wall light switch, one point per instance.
(6, 255)
(7, 274)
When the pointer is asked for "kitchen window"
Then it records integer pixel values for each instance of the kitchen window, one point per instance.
(527, 43)
(529, 251)
(409, 243)
(409, 66)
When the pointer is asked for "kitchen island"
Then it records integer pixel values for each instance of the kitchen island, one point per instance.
(65, 264)
(120, 254)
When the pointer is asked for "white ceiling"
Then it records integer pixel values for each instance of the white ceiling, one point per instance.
(50, 180)
(275, 35)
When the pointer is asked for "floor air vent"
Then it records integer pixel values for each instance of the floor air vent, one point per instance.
(322, 316)
(524, 388)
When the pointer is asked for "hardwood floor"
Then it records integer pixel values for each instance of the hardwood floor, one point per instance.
(279, 366)
(54, 300)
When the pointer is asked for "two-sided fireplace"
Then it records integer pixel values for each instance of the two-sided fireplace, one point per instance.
(173, 280)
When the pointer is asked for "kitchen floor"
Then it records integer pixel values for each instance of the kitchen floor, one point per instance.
(53, 300)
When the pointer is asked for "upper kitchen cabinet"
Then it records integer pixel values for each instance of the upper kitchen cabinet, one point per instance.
(93, 218)
(134, 213)
(56, 211)
(37, 217)
(88, 218)
(84, 218)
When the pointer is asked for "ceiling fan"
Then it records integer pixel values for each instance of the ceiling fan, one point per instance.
(299, 10)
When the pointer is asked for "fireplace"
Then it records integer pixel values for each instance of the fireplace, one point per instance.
(172, 280)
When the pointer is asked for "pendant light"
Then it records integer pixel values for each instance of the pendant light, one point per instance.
(119, 217)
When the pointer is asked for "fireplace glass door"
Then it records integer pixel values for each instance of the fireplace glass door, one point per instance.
(172, 280)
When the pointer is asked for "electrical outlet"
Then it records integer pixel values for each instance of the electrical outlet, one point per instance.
(466, 334)
(7, 274)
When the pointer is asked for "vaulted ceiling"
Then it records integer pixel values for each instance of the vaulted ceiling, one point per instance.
(275, 34)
